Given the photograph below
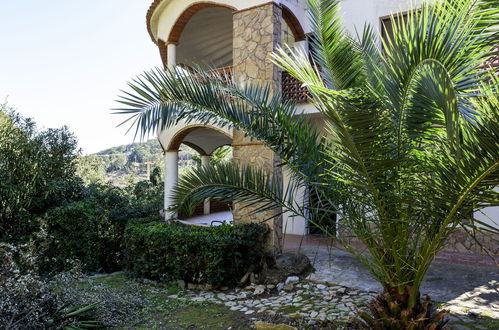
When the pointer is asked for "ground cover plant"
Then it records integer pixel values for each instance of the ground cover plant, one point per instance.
(412, 147)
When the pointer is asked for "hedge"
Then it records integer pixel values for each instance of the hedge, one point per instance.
(219, 256)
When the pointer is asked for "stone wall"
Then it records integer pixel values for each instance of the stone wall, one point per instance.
(257, 33)
(461, 241)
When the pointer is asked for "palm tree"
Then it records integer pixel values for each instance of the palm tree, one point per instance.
(412, 149)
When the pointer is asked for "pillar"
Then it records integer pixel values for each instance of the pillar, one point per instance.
(257, 34)
(171, 179)
(205, 162)
(294, 225)
(171, 59)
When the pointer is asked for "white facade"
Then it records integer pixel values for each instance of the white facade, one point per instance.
(206, 39)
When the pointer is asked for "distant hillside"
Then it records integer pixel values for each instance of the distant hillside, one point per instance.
(127, 162)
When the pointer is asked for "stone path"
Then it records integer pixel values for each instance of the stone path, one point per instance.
(341, 286)
(304, 299)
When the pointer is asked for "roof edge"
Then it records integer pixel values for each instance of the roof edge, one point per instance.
(150, 12)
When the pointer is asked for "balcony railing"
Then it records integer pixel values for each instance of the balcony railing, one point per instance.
(225, 73)
(493, 62)
(293, 89)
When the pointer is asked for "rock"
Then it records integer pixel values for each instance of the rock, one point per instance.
(314, 314)
(321, 286)
(207, 287)
(245, 278)
(259, 290)
(280, 286)
(292, 279)
(293, 263)
(252, 278)
(289, 287)
(285, 265)
(181, 284)
(259, 325)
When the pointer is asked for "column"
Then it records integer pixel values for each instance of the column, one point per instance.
(257, 33)
(171, 179)
(294, 225)
(171, 56)
(205, 162)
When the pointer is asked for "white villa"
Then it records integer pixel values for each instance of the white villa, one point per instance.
(238, 37)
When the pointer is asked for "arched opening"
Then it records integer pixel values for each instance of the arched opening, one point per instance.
(203, 139)
(195, 145)
(292, 31)
(203, 35)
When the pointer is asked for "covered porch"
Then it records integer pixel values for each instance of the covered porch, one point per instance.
(204, 139)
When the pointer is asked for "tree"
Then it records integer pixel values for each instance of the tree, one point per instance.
(37, 172)
(19, 173)
(91, 169)
(412, 149)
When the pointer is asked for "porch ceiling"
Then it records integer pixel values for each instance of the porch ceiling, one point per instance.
(207, 139)
(207, 39)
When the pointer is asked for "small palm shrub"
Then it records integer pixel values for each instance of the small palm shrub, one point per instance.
(219, 256)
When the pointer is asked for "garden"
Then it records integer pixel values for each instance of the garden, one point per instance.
(410, 155)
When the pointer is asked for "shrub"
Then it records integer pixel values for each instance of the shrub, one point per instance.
(76, 231)
(212, 255)
(91, 230)
(27, 301)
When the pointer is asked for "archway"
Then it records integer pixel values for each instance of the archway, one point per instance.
(204, 139)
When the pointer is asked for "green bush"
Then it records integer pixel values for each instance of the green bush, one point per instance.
(91, 230)
(76, 232)
(218, 256)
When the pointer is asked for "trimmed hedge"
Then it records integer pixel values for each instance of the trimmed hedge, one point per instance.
(219, 256)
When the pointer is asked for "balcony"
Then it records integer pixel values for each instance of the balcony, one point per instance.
(293, 90)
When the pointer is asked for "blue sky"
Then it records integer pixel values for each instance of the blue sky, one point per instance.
(63, 62)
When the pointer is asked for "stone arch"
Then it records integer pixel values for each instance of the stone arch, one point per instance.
(293, 23)
(182, 136)
(184, 18)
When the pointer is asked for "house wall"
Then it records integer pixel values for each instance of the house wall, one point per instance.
(255, 37)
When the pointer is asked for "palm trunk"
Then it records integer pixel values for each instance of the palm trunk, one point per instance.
(402, 308)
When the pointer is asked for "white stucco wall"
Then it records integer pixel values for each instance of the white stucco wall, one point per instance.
(356, 12)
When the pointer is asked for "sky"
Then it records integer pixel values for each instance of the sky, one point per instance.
(64, 62)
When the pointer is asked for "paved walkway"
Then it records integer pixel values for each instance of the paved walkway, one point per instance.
(212, 219)
(463, 288)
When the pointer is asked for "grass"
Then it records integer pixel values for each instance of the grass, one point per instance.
(162, 312)
(147, 305)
